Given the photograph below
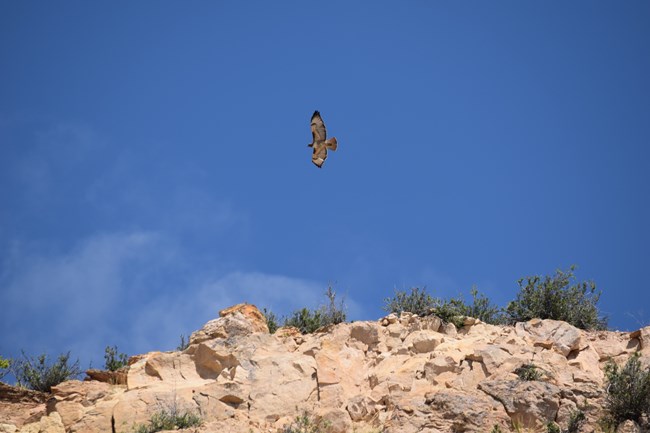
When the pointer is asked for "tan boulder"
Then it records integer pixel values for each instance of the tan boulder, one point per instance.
(530, 404)
(251, 312)
(551, 334)
(643, 337)
(611, 344)
(457, 411)
(337, 420)
(238, 320)
(423, 341)
(113, 377)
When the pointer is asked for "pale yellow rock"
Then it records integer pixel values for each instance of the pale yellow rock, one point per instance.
(559, 335)
(423, 341)
(47, 424)
(337, 420)
(403, 374)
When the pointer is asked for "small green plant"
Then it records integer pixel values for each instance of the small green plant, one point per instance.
(40, 375)
(496, 429)
(552, 427)
(628, 391)
(451, 310)
(184, 344)
(482, 309)
(113, 360)
(5, 364)
(170, 416)
(306, 424)
(308, 321)
(558, 297)
(528, 372)
(417, 302)
(271, 320)
(576, 421)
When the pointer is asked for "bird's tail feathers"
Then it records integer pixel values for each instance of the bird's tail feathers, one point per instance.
(332, 143)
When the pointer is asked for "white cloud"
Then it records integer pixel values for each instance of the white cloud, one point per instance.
(71, 299)
(125, 289)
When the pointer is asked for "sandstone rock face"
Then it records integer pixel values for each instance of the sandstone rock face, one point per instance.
(20, 406)
(400, 374)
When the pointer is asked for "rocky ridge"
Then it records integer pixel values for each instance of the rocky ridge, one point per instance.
(399, 374)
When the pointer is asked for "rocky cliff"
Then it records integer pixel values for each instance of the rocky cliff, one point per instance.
(399, 374)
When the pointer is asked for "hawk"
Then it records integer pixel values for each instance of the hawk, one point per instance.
(320, 144)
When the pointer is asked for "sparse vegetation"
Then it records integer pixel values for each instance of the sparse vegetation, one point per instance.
(308, 321)
(306, 424)
(558, 297)
(184, 344)
(528, 372)
(484, 310)
(628, 391)
(271, 320)
(417, 302)
(496, 429)
(113, 360)
(40, 375)
(5, 364)
(453, 310)
(576, 421)
(170, 417)
(552, 427)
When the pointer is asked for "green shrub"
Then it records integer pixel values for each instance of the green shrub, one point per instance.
(482, 309)
(308, 321)
(528, 372)
(5, 364)
(628, 391)
(552, 427)
(113, 360)
(496, 429)
(453, 310)
(557, 298)
(170, 417)
(576, 421)
(271, 320)
(39, 375)
(306, 424)
(417, 302)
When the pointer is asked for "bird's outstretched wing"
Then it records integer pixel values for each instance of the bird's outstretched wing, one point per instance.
(318, 130)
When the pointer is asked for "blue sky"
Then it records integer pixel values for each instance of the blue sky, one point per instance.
(154, 165)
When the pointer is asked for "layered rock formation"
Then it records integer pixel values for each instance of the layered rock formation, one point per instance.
(400, 374)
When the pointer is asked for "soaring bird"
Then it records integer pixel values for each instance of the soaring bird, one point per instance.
(320, 144)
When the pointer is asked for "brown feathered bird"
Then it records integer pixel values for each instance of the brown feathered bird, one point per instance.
(320, 143)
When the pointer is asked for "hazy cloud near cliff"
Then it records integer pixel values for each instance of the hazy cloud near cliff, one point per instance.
(125, 289)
